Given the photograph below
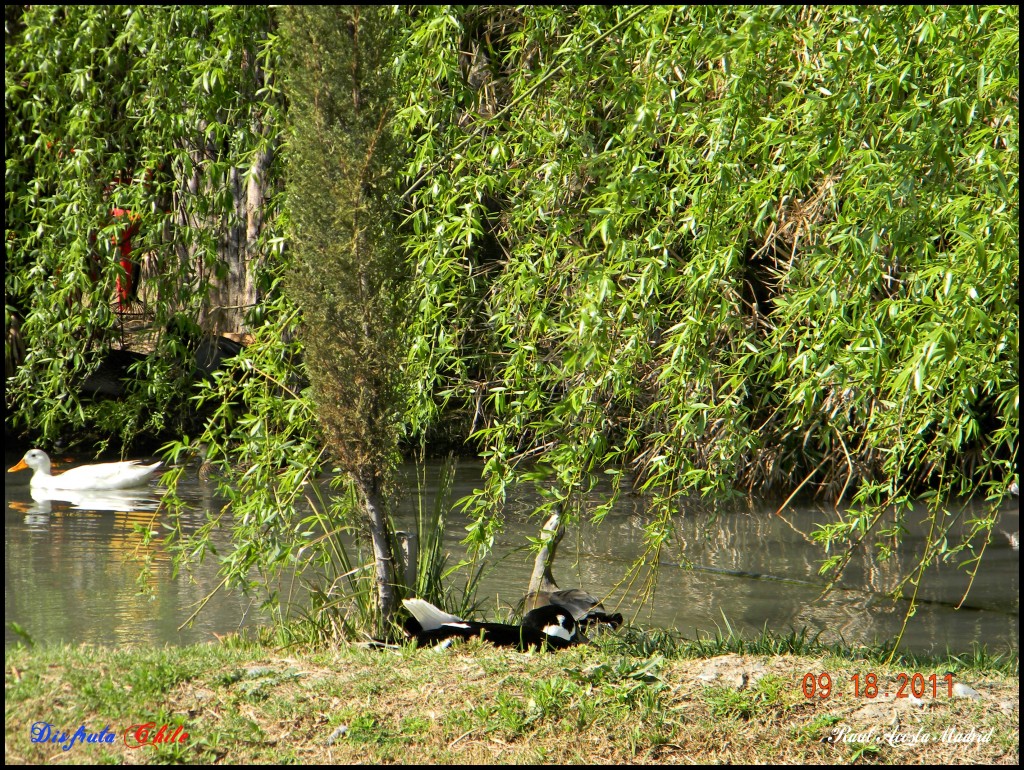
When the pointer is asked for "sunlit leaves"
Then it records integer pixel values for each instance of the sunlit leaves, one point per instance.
(754, 246)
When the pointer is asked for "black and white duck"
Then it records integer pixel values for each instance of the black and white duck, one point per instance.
(551, 626)
(585, 608)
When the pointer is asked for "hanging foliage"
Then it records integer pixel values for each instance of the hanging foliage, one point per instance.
(141, 145)
(707, 249)
(721, 248)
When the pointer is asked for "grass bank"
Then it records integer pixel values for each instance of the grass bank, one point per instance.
(612, 702)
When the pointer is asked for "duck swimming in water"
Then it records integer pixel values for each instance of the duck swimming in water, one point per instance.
(545, 627)
(122, 475)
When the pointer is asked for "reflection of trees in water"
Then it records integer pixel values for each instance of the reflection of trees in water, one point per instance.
(67, 562)
(73, 573)
(755, 567)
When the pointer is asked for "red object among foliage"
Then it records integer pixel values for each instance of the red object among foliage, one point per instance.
(126, 291)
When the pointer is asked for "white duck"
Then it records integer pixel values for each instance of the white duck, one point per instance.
(123, 475)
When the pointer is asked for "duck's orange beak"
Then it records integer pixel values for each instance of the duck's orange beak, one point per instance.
(21, 464)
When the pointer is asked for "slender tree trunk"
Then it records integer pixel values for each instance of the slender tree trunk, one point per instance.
(551, 533)
(383, 573)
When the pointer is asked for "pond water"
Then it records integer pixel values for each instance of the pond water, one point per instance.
(74, 572)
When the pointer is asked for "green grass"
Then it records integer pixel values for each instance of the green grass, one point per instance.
(249, 702)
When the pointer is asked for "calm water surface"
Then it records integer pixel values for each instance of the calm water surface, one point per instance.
(74, 573)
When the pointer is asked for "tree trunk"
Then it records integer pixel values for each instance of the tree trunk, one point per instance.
(229, 288)
(551, 533)
(376, 516)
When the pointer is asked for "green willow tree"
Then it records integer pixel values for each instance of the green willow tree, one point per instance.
(182, 105)
(347, 269)
(707, 249)
(171, 114)
(720, 248)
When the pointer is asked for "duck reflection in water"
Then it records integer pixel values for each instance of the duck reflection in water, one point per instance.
(124, 500)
